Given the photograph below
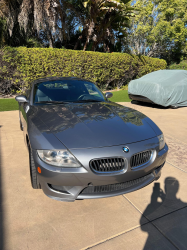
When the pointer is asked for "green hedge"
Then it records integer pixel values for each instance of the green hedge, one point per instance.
(20, 66)
(181, 65)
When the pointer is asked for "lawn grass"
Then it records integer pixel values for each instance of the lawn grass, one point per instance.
(8, 104)
(120, 96)
(11, 104)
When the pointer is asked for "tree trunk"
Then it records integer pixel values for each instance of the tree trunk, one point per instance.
(77, 42)
(94, 46)
(104, 47)
(50, 39)
(108, 48)
(76, 45)
(86, 43)
(50, 43)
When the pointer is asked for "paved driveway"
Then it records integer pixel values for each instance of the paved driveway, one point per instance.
(154, 217)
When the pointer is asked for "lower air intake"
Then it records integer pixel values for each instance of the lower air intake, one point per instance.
(113, 187)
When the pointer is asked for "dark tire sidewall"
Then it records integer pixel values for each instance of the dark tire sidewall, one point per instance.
(33, 172)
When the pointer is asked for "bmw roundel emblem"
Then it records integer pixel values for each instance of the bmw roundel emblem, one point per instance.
(126, 149)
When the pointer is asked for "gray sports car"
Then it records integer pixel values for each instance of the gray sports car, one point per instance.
(83, 146)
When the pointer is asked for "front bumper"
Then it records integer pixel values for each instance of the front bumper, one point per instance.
(82, 183)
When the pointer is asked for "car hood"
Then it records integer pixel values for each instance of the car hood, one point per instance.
(89, 125)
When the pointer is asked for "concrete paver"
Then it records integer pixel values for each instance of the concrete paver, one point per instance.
(174, 227)
(30, 220)
(146, 237)
(163, 196)
(41, 223)
(177, 154)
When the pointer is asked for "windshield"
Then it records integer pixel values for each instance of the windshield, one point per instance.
(64, 91)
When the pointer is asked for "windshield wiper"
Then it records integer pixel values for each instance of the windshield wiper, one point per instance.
(87, 101)
(58, 102)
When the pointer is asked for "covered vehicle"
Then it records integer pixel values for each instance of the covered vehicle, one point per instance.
(164, 87)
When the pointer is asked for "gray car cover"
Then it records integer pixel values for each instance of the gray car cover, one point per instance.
(163, 87)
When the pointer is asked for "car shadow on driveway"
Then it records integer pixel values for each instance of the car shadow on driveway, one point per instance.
(149, 105)
(173, 224)
(1, 199)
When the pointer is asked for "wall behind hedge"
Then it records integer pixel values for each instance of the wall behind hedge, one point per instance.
(20, 66)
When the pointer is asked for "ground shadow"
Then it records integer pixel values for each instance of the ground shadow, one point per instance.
(1, 199)
(150, 105)
(161, 203)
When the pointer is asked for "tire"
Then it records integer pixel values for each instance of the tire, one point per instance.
(174, 107)
(21, 127)
(20, 123)
(33, 175)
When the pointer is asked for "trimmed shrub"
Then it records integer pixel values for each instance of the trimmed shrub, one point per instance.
(20, 66)
(181, 65)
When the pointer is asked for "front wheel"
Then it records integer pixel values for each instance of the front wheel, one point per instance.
(33, 175)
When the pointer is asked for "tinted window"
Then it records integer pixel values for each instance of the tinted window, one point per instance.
(67, 91)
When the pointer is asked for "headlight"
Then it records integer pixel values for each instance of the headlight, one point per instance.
(161, 141)
(59, 158)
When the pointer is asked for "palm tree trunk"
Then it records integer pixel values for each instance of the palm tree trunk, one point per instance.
(86, 43)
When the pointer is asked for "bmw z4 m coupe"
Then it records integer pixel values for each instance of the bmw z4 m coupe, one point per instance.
(83, 146)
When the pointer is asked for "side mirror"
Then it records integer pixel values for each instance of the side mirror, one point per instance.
(108, 95)
(21, 98)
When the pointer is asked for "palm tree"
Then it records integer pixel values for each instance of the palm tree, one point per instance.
(48, 19)
(100, 19)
